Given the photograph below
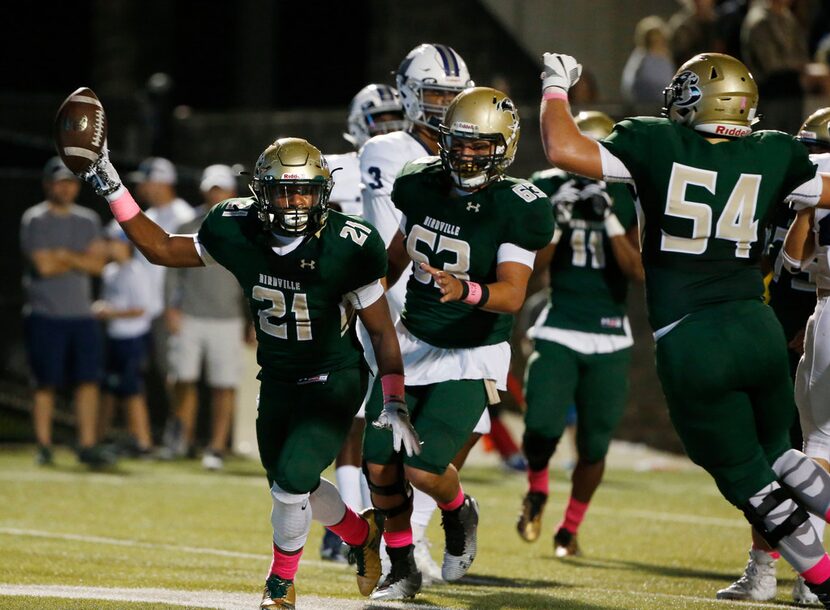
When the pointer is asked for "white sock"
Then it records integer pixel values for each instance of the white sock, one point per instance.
(290, 519)
(422, 508)
(818, 524)
(348, 484)
(327, 506)
(365, 494)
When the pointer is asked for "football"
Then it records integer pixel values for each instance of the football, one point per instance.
(80, 129)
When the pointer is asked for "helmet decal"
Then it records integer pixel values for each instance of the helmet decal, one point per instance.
(686, 90)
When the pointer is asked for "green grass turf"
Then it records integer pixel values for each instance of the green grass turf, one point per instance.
(650, 540)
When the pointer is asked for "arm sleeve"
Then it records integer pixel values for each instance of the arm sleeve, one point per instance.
(365, 296)
(510, 253)
(367, 265)
(377, 177)
(613, 169)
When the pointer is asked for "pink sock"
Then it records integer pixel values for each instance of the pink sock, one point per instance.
(459, 500)
(352, 528)
(574, 515)
(819, 572)
(398, 540)
(538, 480)
(285, 565)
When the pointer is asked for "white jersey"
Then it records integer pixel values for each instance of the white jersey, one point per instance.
(345, 172)
(820, 268)
(381, 160)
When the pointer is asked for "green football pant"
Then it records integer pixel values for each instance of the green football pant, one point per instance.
(444, 415)
(725, 375)
(597, 384)
(301, 428)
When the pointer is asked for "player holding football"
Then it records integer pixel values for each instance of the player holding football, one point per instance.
(706, 184)
(297, 262)
(472, 233)
(582, 338)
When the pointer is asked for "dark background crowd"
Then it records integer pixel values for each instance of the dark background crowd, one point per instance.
(204, 82)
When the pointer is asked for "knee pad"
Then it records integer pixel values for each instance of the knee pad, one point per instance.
(538, 450)
(327, 506)
(400, 487)
(290, 518)
(774, 513)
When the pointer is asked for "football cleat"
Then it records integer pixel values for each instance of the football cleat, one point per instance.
(430, 571)
(802, 593)
(96, 457)
(44, 456)
(460, 527)
(757, 583)
(279, 593)
(366, 557)
(402, 582)
(529, 524)
(564, 544)
(212, 460)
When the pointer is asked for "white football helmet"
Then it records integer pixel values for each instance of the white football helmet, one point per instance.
(366, 106)
(430, 67)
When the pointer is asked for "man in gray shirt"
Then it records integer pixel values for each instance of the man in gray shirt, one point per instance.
(206, 323)
(63, 250)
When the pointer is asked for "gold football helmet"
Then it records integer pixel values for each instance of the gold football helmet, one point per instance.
(479, 137)
(816, 129)
(292, 184)
(594, 124)
(713, 93)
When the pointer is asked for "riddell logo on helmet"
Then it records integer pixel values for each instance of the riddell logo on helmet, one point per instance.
(292, 177)
(723, 130)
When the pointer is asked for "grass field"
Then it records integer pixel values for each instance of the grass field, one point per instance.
(168, 535)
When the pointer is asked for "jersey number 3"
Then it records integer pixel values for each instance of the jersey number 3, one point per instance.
(736, 223)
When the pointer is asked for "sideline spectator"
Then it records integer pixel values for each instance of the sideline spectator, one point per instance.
(649, 67)
(124, 304)
(63, 250)
(205, 315)
(156, 180)
(693, 30)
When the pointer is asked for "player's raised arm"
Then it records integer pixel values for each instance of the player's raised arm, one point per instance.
(565, 147)
(155, 243)
(81, 139)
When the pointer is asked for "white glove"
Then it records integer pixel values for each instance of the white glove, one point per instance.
(102, 175)
(561, 72)
(395, 417)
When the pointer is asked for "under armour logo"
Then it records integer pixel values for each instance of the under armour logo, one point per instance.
(473, 207)
(304, 264)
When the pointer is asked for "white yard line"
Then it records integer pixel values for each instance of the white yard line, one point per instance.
(194, 599)
(239, 601)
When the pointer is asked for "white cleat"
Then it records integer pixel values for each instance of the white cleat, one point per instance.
(430, 571)
(802, 593)
(757, 583)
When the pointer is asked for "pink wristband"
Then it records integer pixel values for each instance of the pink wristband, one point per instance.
(555, 95)
(124, 208)
(393, 387)
(474, 295)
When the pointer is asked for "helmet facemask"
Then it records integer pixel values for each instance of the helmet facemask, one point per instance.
(479, 137)
(294, 207)
(292, 184)
(472, 160)
(374, 110)
(440, 96)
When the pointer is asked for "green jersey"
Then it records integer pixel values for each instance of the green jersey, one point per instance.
(704, 207)
(296, 299)
(587, 287)
(461, 234)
